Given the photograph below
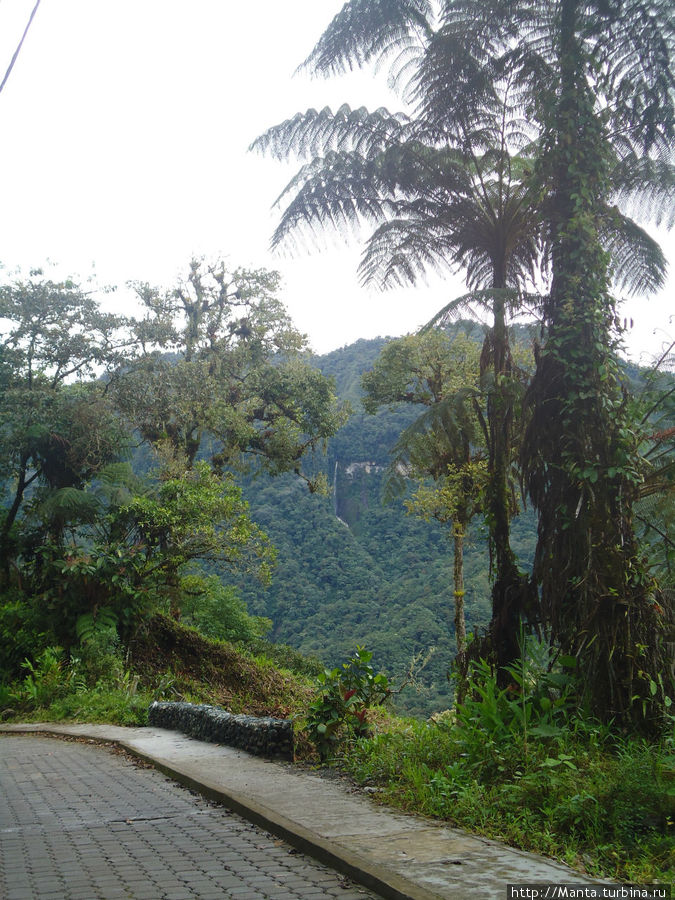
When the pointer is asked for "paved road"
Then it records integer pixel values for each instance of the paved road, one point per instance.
(81, 822)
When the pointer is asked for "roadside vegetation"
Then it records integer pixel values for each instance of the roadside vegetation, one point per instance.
(600, 801)
(124, 443)
(521, 764)
(103, 681)
(525, 765)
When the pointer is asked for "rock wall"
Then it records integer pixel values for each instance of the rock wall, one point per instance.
(263, 736)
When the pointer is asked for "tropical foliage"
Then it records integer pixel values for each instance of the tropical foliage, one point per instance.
(533, 130)
(463, 181)
(446, 443)
(521, 764)
(236, 373)
(87, 546)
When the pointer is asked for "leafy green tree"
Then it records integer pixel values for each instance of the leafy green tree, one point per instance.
(83, 543)
(237, 380)
(606, 89)
(455, 501)
(445, 443)
(595, 79)
(217, 611)
(58, 428)
(134, 555)
(192, 515)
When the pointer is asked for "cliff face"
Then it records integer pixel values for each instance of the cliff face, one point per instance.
(356, 489)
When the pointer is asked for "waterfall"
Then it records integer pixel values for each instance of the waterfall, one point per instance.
(335, 496)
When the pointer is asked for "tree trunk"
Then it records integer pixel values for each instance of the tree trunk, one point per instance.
(458, 577)
(510, 586)
(580, 462)
(10, 518)
(458, 533)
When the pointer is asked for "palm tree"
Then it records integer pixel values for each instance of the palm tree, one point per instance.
(441, 194)
(597, 78)
(594, 80)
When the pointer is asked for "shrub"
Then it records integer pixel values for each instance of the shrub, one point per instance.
(341, 706)
(48, 678)
(22, 632)
(217, 612)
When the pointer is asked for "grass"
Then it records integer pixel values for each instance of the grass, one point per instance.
(599, 803)
(166, 661)
(102, 705)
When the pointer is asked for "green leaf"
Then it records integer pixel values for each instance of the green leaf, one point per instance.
(569, 662)
(546, 731)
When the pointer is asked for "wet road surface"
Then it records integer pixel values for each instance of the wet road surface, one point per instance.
(79, 821)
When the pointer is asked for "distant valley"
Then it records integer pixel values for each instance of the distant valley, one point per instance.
(352, 569)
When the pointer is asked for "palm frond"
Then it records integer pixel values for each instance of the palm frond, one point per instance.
(367, 30)
(343, 188)
(512, 298)
(403, 68)
(637, 264)
(119, 473)
(455, 184)
(313, 133)
(401, 251)
(444, 433)
(631, 44)
(69, 505)
(645, 187)
(117, 483)
(333, 192)
(486, 25)
(454, 89)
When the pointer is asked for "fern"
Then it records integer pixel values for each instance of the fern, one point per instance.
(90, 626)
(367, 31)
(69, 504)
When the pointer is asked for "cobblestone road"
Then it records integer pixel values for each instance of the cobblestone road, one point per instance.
(81, 822)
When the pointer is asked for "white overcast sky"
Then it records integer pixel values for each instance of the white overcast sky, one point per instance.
(125, 126)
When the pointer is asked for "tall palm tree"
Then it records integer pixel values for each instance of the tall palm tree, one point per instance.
(593, 79)
(596, 77)
(441, 194)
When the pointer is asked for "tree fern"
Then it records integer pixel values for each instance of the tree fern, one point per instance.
(68, 505)
(637, 265)
(556, 111)
(365, 31)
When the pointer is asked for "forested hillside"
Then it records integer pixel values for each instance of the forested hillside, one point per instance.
(354, 569)
(90, 548)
